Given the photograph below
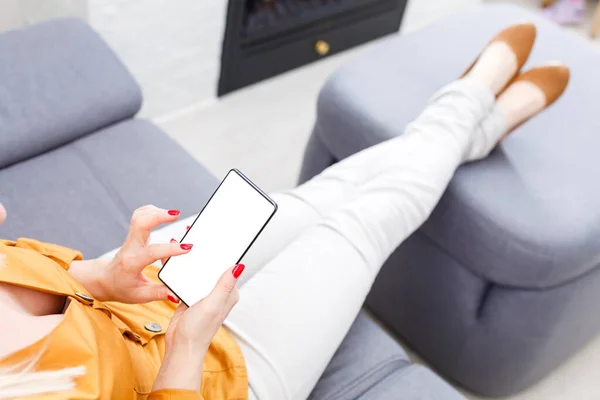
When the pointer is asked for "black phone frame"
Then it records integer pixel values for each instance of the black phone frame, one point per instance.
(255, 187)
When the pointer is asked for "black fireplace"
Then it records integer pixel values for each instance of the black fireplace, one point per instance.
(264, 38)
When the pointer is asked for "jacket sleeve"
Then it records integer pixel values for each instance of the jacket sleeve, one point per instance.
(175, 394)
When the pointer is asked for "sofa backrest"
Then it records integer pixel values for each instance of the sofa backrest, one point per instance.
(58, 81)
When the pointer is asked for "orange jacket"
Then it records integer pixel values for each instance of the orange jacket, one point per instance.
(117, 343)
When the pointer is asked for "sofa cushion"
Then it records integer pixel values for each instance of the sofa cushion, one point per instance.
(366, 356)
(528, 215)
(58, 82)
(82, 195)
(412, 382)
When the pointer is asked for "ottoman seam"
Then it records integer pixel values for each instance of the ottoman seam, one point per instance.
(526, 247)
(488, 284)
(382, 365)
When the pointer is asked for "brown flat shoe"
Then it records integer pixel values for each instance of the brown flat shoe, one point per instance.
(520, 38)
(552, 79)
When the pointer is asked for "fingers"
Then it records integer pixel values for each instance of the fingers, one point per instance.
(138, 259)
(154, 292)
(165, 250)
(164, 260)
(147, 218)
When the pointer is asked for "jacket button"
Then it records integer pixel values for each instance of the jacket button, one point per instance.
(84, 297)
(152, 327)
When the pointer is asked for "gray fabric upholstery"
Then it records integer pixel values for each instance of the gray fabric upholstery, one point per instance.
(74, 165)
(493, 339)
(59, 81)
(369, 365)
(367, 355)
(412, 383)
(500, 285)
(82, 195)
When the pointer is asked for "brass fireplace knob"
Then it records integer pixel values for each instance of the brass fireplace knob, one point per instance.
(322, 47)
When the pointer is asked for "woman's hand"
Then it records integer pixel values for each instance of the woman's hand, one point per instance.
(190, 332)
(122, 279)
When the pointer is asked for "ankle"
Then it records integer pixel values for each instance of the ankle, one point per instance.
(519, 102)
(495, 67)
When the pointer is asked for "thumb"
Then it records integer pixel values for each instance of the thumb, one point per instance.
(225, 286)
(181, 308)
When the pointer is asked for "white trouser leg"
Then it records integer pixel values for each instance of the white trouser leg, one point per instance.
(295, 312)
(303, 206)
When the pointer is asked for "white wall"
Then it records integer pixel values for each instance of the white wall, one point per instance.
(173, 47)
(16, 13)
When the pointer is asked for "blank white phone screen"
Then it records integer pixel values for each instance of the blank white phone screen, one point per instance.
(223, 231)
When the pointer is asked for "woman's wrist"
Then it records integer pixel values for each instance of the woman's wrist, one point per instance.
(91, 274)
(181, 368)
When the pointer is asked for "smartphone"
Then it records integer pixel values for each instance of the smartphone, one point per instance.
(222, 233)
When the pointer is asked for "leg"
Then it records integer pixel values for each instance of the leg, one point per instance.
(496, 66)
(301, 207)
(293, 315)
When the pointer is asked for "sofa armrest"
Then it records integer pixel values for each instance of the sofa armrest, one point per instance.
(58, 82)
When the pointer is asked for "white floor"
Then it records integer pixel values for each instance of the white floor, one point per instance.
(263, 129)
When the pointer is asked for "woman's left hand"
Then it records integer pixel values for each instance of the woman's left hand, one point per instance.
(122, 279)
(124, 275)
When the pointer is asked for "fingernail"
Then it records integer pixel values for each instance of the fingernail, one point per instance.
(173, 299)
(186, 246)
(187, 228)
(174, 212)
(237, 270)
(173, 240)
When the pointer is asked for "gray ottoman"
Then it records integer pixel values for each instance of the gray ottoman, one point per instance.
(502, 283)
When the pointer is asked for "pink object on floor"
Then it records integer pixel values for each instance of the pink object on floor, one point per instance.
(566, 12)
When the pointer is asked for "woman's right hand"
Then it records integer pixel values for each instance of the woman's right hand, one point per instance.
(190, 332)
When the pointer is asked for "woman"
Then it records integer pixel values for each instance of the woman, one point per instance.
(96, 329)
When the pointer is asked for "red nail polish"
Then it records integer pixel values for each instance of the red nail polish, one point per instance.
(173, 299)
(174, 212)
(186, 246)
(173, 240)
(187, 228)
(237, 270)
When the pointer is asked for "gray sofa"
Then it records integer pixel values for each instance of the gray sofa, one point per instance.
(75, 163)
(503, 281)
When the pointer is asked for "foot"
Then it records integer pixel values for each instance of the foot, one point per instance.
(503, 57)
(532, 92)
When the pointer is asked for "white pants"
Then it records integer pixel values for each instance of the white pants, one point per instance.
(308, 274)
